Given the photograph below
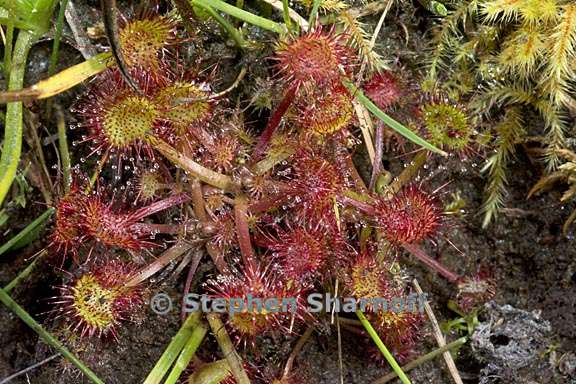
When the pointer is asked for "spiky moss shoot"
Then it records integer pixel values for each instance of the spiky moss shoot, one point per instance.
(315, 59)
(530, 12)
(447, 126)
(410, 216)
(384, 89)
(328, 113)
(302, 253)
(366, 278)
(251, 319)
(118, 119)
(96, 302)
(184, 114)
(143, 41)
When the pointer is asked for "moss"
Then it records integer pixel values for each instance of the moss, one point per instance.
(516, 53)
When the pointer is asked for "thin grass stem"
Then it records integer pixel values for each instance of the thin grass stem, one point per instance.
(387, 355)
(47, 337)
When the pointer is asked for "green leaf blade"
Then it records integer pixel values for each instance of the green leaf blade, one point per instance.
(389, 121)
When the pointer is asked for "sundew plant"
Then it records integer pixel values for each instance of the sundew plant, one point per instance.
(267, 149)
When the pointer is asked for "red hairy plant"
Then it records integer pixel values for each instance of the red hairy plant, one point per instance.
(399, 328)
(83, 216)
(384, 89)
(412, 215)
(327, 112)
(366, 278)
(222, 154)
(185, 104)
(117, 228)
(148, 185)
(319, 58)
(475, 290)
(97, 301)
(67, 235)
(119, 120)
(222, 232)
(127, 124)
(257, 185)
(314, 189)
(250, 320)
(145, 38)
(302, 252)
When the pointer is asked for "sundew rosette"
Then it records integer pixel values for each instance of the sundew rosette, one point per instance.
(116, 120)
(243, 291)
(327, 112)
(145, 40)
(96, 302)
(411, 216)
(318, 58)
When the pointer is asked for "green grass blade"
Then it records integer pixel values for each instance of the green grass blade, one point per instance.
(12, 147)
(286, 15)
(372, 332)
(46, 336)
(63, 149)
(187, 353)
(29, 228)
(173, 350)
(228, 28)
(241, 14)
(407, 133)
(423, 359)
(57, 37)
(24, 274)
(8, 48)
(313, 13)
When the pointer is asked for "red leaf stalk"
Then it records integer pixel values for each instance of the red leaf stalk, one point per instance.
(273, 123)
(158, 206)
(419, 253)
(243, 232)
